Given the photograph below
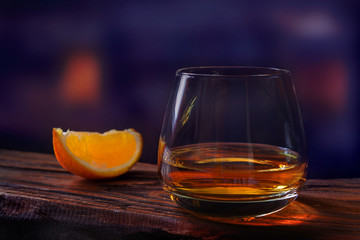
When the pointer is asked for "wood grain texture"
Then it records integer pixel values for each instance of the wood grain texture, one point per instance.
(40, 200)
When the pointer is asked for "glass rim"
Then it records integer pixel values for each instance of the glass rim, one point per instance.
(214, 71)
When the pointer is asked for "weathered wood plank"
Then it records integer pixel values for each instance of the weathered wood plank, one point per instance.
(39, 199)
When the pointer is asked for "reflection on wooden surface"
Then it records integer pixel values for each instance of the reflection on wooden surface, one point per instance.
(294, 214)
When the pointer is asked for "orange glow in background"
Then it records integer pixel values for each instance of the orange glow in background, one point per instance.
(81, 81)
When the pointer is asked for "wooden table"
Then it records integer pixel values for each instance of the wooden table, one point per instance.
(40, 200)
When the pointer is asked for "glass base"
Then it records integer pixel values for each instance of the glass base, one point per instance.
(232, 212)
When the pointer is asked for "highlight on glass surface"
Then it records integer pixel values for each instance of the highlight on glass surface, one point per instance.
(232, 144)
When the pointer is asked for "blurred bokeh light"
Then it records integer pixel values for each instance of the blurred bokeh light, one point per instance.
(110, 65)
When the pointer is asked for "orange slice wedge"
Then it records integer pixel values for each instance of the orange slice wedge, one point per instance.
(94, 155)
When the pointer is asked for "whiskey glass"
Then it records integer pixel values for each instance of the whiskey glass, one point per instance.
(232, 143)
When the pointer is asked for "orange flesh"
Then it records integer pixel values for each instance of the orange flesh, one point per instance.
(102, 150)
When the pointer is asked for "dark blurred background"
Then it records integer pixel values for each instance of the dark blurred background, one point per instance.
(97, 66)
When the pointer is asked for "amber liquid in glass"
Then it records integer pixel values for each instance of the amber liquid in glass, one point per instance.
(216, 176)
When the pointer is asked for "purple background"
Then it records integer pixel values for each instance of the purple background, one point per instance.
(98, 66)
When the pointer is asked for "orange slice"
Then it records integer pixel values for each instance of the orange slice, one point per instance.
(94, 155)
